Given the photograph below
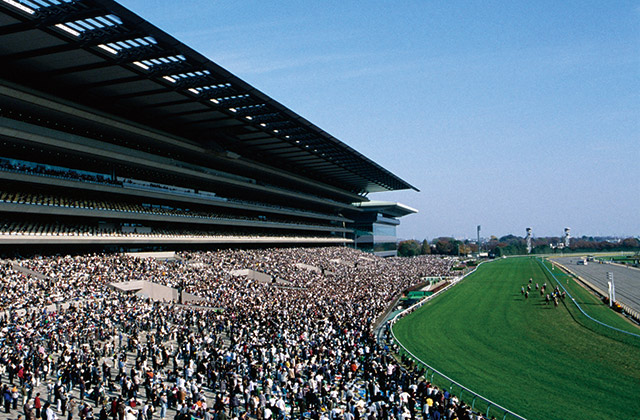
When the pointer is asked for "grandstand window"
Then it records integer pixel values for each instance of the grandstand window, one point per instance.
(384, 230)
(183, 76)
(20, 6)
(141, 65)
(385, 246)
(78, 27)
(164, 60)
(67, 29)
(108, 49)
(108, 20)
(129, 44)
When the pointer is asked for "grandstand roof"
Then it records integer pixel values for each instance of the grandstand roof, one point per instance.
(101, 55)
(388, 208)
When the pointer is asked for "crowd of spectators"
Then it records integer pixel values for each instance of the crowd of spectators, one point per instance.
(32, 168)
(37, 169)
(251, 350)
(57, 228)
(141, 209)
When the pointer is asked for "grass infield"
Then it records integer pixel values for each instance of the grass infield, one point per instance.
(535, 359)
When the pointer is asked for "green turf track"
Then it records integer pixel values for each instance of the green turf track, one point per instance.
(539, 361)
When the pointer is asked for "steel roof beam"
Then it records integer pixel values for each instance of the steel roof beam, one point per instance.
(77, 69)
(209, 120)
(145, 52)
(50, 20)
(196, 81)
(169, 69)
(279, 125)
(261, 140)
(169, 103)
(138, 94)
(184, 113)
(70, 46)
(245, 108)
(275, 147)
(57, 13)
(217, 92)
(111, 82)
(267, 117)
(237, 102)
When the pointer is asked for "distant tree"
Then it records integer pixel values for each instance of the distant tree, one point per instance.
(492, 243)
(409, 248)
(510, 239)
(630, 243)
(515, 247)
(464, 249)
(473, 247)
(445, 246)
(541, 249)
(425, 249)
(582, 243)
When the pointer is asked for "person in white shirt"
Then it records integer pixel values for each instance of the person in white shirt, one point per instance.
(50, 414)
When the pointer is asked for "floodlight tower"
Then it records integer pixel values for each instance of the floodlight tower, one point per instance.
(567, 237)
(478, 240)
(528, 238)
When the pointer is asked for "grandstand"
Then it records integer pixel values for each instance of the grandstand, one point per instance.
(375, 225)
(113, 132)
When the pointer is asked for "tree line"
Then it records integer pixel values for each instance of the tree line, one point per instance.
(515, 245)
(440, 246)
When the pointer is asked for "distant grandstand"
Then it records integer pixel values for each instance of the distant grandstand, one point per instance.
(115, 134)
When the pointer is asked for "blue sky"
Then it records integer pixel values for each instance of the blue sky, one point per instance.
(504, 114)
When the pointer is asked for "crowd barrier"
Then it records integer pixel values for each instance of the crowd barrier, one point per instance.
(632, 313)
(580, 308)
(477, 400)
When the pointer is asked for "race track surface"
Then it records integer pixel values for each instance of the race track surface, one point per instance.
(627, 280)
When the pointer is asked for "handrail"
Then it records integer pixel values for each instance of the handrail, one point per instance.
(462, 387)
(579, 307)
(635, 315)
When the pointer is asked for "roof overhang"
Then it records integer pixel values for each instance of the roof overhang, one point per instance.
(387, 208)
(101, 55)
